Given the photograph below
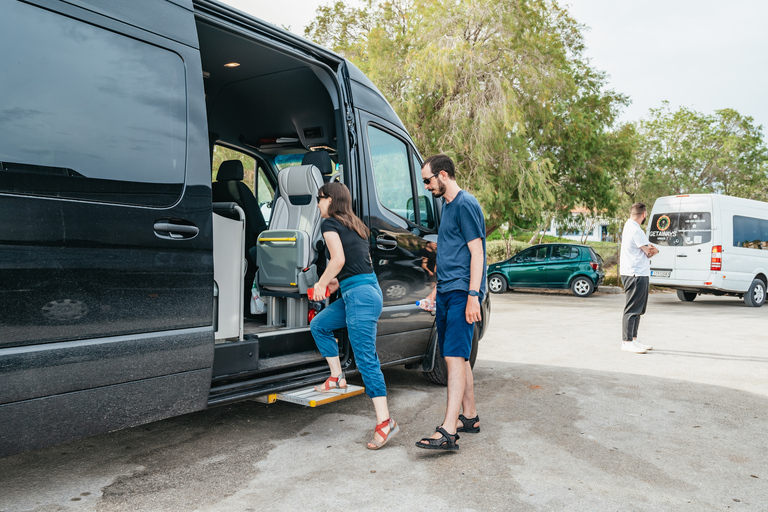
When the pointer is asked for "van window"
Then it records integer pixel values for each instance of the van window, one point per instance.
(392, 173)
(113, 129)
(681, 229)
(750, 232)
(426, 204)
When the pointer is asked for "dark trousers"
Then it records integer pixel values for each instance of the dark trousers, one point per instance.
(636, 294)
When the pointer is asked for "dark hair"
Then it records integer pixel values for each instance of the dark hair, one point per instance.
(637, 209)
(441, 162)
(341, 207)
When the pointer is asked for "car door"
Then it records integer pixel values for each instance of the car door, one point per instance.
(403, 223)
(562, 263)
(528, 268)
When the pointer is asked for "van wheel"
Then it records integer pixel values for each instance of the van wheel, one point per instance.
(582, 287)
(686, 296)
(439, 374)
(755, 296)
(497, 283)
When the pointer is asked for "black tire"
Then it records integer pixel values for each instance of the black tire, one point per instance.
(582, 287)
(755, 296)
(497, 283)
(439, 374)
(686, 296)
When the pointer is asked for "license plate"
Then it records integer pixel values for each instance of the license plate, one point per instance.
(661, 273)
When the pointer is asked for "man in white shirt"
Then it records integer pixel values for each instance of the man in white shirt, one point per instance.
(635, 271)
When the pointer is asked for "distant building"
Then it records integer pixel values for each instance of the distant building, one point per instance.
(582, 220)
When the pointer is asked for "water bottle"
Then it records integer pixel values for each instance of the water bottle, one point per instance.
(430, 306)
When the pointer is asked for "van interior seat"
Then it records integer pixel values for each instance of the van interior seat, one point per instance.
(288, 247)
(322, 160)
(229, 188)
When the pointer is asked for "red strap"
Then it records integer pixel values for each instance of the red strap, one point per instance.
(380, 427)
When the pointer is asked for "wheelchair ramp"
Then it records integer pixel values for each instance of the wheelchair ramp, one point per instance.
(311, 398)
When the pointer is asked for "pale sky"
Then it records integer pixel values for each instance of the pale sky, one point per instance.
(702, 54)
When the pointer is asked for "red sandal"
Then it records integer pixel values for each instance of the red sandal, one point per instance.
(393, 429)
(332, 384)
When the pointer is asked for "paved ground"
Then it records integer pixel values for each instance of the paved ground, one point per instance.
(569, 422)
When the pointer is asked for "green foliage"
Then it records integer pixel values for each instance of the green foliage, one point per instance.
(688, 152)
(499, 85)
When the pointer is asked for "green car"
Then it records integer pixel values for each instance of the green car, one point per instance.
(573, 266)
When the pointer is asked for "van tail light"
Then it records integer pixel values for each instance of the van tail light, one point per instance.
(717, 258)
(593, 264)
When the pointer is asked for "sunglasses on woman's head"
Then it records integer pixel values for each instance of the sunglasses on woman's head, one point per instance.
(320, 196)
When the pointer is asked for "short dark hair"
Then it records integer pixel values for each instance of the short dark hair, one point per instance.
(441, 162)
(637, 209)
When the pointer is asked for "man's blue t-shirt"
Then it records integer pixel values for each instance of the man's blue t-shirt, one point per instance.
(461, 222)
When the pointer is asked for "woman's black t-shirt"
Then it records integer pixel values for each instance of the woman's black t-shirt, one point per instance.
(357, 255)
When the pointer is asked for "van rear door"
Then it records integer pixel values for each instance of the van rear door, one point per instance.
(682, 229)
(693, 255)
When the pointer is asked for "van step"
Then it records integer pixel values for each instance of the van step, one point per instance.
(310, 397)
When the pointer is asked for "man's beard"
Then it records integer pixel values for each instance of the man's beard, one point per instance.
(440, 189)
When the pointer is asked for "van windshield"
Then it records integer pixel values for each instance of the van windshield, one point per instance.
(681, 229)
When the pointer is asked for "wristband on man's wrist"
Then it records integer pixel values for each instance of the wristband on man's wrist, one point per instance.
(473, 293)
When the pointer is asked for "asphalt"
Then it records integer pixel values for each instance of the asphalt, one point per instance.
(568, 422)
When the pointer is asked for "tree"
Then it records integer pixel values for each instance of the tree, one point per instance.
(688, 152)
(500, 85)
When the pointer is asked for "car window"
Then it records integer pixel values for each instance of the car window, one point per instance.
(532, 255)
(684, 229)
(564, 252)
(392, 173)
(113, 129)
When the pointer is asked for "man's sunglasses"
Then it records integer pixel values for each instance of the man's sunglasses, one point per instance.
(427, 180)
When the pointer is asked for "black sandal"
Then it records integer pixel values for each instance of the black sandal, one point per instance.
(445, 442)
(469, 424)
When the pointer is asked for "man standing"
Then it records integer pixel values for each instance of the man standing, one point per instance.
(635, 270)
(461, 269)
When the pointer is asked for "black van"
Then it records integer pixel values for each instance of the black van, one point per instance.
(127, 258)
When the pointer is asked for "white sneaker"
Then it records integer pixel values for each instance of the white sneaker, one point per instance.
(631, 346)
(646, 347)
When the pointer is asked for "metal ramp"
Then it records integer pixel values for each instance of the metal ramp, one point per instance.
(311, 398)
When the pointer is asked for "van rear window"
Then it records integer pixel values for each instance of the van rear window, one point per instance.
(681, 229)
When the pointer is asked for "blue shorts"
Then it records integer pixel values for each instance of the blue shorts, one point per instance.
(454, 334)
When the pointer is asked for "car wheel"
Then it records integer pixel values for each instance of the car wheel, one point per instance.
(582, 287)
(439, 374)
(755, 296)
(394, 290)
(686, 296)
(497, 283)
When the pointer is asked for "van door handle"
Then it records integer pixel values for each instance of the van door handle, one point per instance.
(173, 229)
(386, 243)
(682, 255)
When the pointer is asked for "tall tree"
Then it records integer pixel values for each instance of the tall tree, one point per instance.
(501, 85)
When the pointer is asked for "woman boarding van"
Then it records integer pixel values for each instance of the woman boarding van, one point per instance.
(710, 243)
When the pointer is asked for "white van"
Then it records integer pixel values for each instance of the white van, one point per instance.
(710, 243)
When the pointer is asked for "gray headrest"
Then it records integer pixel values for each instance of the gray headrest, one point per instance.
(230, 170)
(320, 159)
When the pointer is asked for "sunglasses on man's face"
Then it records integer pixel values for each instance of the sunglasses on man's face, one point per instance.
(427, 180)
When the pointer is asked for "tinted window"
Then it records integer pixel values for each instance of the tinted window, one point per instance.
(532, 255)
(750, 232)
(112, 128)
(392, 173)
(681, 229)
(564, 252)
(426, 206)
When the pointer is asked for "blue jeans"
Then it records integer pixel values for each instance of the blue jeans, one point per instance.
(358, 310)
